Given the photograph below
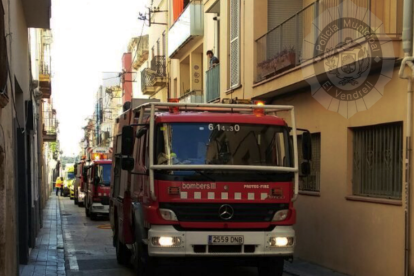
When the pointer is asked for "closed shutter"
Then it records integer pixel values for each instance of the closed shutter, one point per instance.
(234, 43)
(277, 12)
(280, 10)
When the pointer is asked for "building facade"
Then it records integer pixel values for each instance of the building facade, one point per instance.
(23, 87)
(351, 207)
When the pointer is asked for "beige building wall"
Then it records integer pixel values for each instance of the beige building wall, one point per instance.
(353, 235)
(358, 236)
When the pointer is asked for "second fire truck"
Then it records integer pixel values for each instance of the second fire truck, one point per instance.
(96, 185)
(209, 182)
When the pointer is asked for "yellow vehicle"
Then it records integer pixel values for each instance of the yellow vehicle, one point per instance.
(68, 183)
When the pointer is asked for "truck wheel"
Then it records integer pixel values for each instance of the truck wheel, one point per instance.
(93, 216)
(86, 211)
(75, 201)
(143, 264)
(123, 255)
(271, 267)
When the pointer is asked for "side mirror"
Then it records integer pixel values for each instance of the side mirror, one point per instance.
(127, 140)
(127, 163)
(306, 146)
(141, 132)
(305, 168)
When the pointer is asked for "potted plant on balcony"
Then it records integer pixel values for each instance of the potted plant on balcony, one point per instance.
(280, 62)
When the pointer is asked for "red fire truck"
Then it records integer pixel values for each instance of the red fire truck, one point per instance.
(97, 187)
(206, 182)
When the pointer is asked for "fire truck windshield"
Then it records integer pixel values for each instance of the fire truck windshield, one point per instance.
(222, 144)
(104, 174)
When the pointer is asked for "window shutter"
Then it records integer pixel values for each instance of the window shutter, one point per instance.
(234, 43)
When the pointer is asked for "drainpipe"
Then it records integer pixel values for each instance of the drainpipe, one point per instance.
(408, 61)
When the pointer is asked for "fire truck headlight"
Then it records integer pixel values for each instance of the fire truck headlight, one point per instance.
(280, 241)
(168, 215)
(281, 215)
(81, 195)
(166, 241)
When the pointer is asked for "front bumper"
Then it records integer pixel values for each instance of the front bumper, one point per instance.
(99, 208)
(190, 240)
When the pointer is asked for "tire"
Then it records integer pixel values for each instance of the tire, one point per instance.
(271, 267)
(93, 216)
(123, 256)
(75, 201)
(86, 211)
(143, 264)
(80, 204)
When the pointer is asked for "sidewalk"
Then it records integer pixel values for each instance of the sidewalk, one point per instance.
(47, 258)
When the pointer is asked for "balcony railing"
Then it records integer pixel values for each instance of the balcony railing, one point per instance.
(188, 25)
(141, 51)
(147, 81)
(293, 41)
(49, 126)
(158, 64)
(45, 71)
(213, 84)
(195, 96)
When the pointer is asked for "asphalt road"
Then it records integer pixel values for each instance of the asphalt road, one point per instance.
(89, 250)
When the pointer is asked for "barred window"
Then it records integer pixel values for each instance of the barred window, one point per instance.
(311, 183)
(377, 161)
(3, 53)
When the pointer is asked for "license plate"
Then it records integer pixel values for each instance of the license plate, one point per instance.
(225, 239)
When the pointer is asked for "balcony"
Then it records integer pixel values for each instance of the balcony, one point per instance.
(45, 70)
(189, 25)
(159, 66)
(49, 126)
(292, 43)
(147, 81)
(213, 84)
(195, 96)
(45, 84)
(140, 51)
(37, 13)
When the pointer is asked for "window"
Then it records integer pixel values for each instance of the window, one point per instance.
(312, 182)
(377, 161)
(234, 43)
(222, 144)
(104, 174)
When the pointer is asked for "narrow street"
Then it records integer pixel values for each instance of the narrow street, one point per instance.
(89, 250)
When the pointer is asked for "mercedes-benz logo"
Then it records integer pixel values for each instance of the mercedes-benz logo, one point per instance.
(226, 212)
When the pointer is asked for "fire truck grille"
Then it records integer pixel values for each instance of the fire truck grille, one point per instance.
(210, 212)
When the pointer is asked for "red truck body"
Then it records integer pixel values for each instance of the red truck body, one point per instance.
(204, 181)
(97, 188)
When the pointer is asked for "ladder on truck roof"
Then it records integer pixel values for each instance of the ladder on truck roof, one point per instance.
(149, 109)
(216, 108)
